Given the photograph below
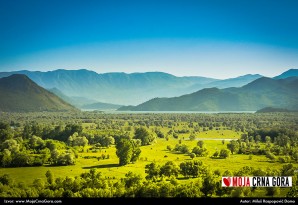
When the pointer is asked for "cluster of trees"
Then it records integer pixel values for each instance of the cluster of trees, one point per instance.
(275, 143)
(199, 151)
(76, 140)
(223, 153)
(58, 132)
(193, 168)
(35, 152)
(93, 184)
(128, 150)
(56, 138)
(20, 148)
(145, 137)
(239, 122)
(37, 144)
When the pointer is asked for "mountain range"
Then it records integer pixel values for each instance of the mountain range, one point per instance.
(263, 92)
(89, 90)
(20, 94)
(287, 74)
(88, 87)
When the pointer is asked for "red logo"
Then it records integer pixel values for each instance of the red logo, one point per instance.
(227, 181)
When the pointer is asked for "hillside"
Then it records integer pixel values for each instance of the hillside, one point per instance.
(78, 102)
(263, 92)
(272, 109)
(235, 82)
(123, 88)
(287, 74)
(20, 94)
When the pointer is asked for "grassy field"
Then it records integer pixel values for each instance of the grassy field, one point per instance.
(156, 152)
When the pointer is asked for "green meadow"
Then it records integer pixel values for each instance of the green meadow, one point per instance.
(265, 142)
(156, 152)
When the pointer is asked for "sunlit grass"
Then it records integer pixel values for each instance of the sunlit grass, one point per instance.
(156, 152)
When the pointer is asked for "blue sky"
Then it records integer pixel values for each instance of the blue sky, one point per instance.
(210, 38)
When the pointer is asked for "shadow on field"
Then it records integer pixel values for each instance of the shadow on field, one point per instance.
(102, 166)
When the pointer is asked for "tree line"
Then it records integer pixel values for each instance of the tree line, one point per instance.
(160, 182)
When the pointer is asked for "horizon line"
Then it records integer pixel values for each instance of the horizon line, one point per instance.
(129, 73)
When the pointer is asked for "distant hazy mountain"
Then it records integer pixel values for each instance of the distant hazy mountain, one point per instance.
(62, 96)
(227, 83)
(75, 101)
(289, 73)
(20, 94)
(235, 82)
(84, 103)
(122, 88)
(263, 92)
(101, 106)
(272, 109)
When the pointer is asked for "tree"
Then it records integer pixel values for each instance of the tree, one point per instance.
(215, 154)
(258, 138)
(188, 190)
(76, 140)
(282, 140)
(233, 146)
(20, 159)
(49, 176)
(107, 141)
(272, 191)
(191, 168)
(5, 179)
(209, 184)
(295, 156)
(69, 159)
(200, 143)
(11, 144)
(142, 134)
(237, 192)
(127, 151)
(175, 135)
(80, 141)
(132, 180)
(244, 137)
(293, 192)
(169, 169)
(27, 131)
(136, 150)
(288, 170)
(268, 139)
(270, 156)
(152, 170)
(192, 137)
(181, 148)
(45, 154)
(200, 152)
(169, 147)
(159, 134)
(6, 158)
(36, 142)
(6, 132)
(54, 156)
(224, 153)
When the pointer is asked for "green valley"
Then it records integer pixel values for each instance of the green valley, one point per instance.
(71, 146)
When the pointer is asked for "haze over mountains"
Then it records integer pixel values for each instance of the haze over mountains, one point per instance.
(89, 87)
(20, 94)
(89, 90)
(263, 92)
